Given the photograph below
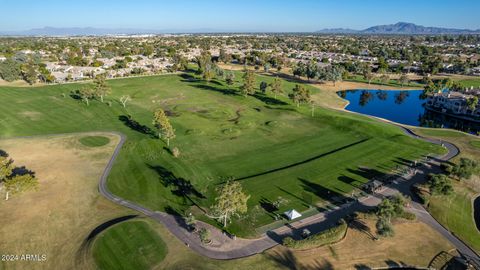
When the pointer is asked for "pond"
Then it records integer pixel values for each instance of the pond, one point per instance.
(405, 107)
(476, 211)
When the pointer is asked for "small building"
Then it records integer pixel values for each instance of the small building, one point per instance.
(292, 214)
(372, 186)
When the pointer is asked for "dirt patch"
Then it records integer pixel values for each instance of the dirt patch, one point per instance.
(57, 218)
(31, 115)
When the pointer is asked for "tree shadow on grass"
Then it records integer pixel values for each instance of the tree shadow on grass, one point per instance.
(305, 203)
(178, 217)
(348, 180)
(361, 226)
(304, 161)
(268, 100)
(322, 192)
(22, 171)
(230, 92)
(367, 173)
(361, 266)
(180, 187)
(403, 161)
(286, 259)
(134, 125)
(280, 108)
(268, 206)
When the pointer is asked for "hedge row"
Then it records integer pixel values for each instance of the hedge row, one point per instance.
(326, 237)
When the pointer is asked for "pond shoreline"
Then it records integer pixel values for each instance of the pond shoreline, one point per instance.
(476, 212)
(405, 107)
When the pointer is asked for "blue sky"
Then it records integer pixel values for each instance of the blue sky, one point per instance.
(236, 15)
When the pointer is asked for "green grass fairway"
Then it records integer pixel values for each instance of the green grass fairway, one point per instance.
(456, 213)
(129, 245)
(277, 149)
(94, 141)
(475, 82)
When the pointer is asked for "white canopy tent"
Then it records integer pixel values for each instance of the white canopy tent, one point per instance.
(292, 214)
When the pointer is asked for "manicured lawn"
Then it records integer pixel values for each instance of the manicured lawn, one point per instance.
(129, 245)
(358, 78)
(442, 133)
(475, 144)
(456, 213)
(277, 149)
(475, 82)
(94, 141)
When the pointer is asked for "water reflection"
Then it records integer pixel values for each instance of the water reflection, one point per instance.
(365, 97)
(404, 107)
(400, 97)
(382, 95)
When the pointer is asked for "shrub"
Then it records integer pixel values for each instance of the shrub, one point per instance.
(204, 235)
(464, 169)
(384, 227)
(408, 215)
(439, 184)
(326, 237)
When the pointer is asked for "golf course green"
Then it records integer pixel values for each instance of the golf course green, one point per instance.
(94, 141)
(129, 245)
(279, 152)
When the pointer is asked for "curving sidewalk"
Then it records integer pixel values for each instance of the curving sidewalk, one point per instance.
(223, 247)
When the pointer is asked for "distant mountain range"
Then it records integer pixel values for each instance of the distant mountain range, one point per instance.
(400, 28)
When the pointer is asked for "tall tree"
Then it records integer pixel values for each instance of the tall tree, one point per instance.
(472, 104)
(367, 74)
(300, 95)
(124, 99)
(30, 75)
(311, 70)
(403, 79)
(334, 74)
(276, 86)
(161, 122)
(230, 201)
(204, 62)
(229, 77)
(100, 86)
(248, 87)
(179, 62)
(6, 167)
(385, 78)
(263, 87)
(19, 183)
(86, 93)
(224, 56)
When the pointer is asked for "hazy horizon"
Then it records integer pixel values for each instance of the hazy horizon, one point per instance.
(235, 16)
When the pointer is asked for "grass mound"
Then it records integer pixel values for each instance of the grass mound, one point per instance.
(456, 213)
(94, 141)
(475, 144)
(129, 245)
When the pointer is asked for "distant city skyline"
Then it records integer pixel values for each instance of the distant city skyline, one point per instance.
(236, 16)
